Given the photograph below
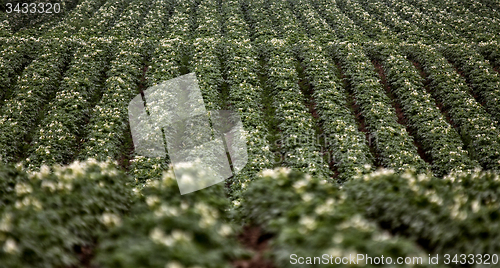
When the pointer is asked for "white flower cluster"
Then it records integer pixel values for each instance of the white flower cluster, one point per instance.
(110, 219)
(158, 236)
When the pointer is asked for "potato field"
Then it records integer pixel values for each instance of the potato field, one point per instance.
(372, 132)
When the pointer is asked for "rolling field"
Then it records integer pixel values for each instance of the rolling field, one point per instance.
(373, 128)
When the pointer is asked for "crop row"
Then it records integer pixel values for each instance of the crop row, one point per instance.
(296, 124)
(374, 29)
(400, 27)
(461, 20)
(392, 141)
(16, 54)
(166, 62)
(156, 21)
(402, 23)
(466, 141)
(439, 139)
(27, 21)
(460, 57)
(345, 141)
(205, 46)
(484, 81)
(245, 95)
(71, 22)
(105, 134)
(476, 127)
(345, 29)
(348, 144)
(38, 83)
(436, 30)
(130, 21)
(59, 135)
(105, 18)
(432, 141)
(490, 51)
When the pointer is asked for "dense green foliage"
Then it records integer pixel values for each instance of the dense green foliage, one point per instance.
(45, 214)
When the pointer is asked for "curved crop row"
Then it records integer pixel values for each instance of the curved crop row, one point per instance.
(131, 20)
(37, 85)
(313, 23)
(485, 82)
(155, 23)
(435, 29)
(72, 22)
(104, 19)
(476, 127)
(57, 136)
(373, 28)
(491, 52)
(404, 29)
(392, 141)
(16, 53)
(26, 23)
(439, 139)
(344, 28)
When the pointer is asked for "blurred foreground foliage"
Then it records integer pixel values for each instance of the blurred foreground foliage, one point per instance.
(48, 217)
